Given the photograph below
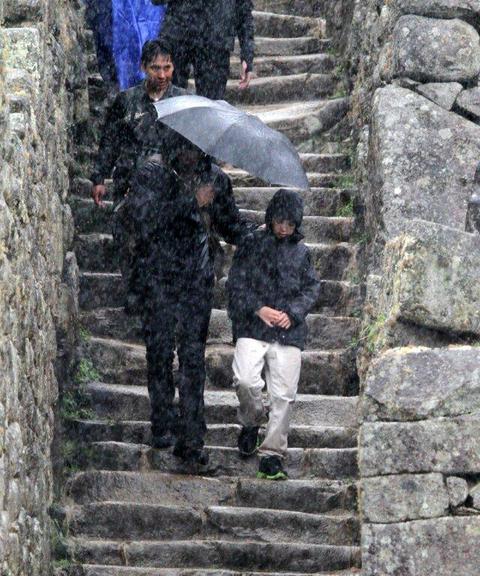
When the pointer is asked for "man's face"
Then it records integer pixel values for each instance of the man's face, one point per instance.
(159, 73)
(283, 228)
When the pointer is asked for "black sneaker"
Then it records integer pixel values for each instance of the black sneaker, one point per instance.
(163, 441)
(271, 468)
(191, 455)
(248, 440)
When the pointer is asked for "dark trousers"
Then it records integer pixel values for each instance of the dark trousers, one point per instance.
(211, 69)
(100, 19)
(177, 316)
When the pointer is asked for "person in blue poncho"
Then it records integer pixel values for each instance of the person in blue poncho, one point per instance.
(121, 28)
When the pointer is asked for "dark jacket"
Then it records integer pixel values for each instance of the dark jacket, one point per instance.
(275, 273)
(175, 240)
(131, 133)
(210, 23)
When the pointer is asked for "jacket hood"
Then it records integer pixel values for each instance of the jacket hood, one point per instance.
(285, 205)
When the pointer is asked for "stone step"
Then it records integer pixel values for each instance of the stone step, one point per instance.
(312, 496)
(240, 556)
(311, 8)
(313, 163)
(334, 464)
(325, 332)
(267, 46)
(286, 26)
(300, 64)
(138, 432)
(97, 253)
(117, 402)
(91, 219)
(281, 89)
(243, 179)
(323, 372)
(95, 570)
(317, 201)
(133, 521)
(301, 121)
(105, 289)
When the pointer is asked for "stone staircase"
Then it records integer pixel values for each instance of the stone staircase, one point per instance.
(132, 510)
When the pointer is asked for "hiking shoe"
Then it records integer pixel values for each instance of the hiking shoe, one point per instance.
(191, 455)
(163, 441)
(271, 468)
(248, 440)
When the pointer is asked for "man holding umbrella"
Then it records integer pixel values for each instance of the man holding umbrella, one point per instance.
(177, 210)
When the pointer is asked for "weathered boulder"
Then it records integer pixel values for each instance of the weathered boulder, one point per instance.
(403, 497)
(467, 9)
(475, 494)
(457, 490)
(446, 445)
(418, 383)
(422, 161)
(469, 103)
(432, 278)
(433, 50)
(444, 547)
(442, 93)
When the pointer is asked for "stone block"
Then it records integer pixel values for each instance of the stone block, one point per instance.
(403, 497)
(457, 490)
(432, 278)
(475, 494)
(23, 48)
(469, 103)
(445, 445)
(442, 93)
(443, 547)
(418, 383)
(434, 50)
(466, 9)
(422, 161)
(18, 11)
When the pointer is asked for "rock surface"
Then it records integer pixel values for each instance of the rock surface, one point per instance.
(434, 50)
(442, 93)
(469, 103)
(418, 383)
(432, 278)
(403, 497)
(457, 490)
(445, 547)
(410, 138)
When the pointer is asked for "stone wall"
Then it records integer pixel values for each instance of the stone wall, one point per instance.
(41, 78)
(415, 68)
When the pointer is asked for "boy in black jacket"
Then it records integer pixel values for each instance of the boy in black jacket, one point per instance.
(272, 286)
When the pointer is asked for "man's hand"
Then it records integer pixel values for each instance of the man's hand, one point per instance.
(205, 195)
(98, 192)
(284, 321)
(245, 76)
(270, 316)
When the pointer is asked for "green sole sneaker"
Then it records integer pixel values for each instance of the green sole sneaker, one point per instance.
(277, 476)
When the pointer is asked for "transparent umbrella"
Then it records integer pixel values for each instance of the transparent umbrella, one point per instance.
(233, 136)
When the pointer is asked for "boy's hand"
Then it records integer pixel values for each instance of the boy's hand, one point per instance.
(270, 316)
(205, 195)
(284, 321)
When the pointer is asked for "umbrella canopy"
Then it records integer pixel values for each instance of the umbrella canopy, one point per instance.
(227, 133)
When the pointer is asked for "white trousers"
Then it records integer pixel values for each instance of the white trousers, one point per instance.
(282, 372)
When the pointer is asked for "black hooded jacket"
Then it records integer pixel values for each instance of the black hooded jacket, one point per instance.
(175, 240)
(275, 273)
(210, 23)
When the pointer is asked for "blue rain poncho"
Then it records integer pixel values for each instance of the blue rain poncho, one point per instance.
(134, 22)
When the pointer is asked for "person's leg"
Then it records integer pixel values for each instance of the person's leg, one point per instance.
(211, 71)
(192, 331)
(182, 55)
(99, 17)
(248, 363)
(282, 376)
(159, 333)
